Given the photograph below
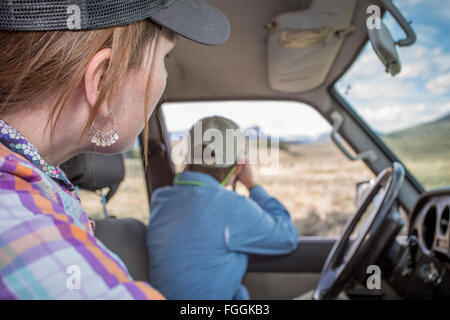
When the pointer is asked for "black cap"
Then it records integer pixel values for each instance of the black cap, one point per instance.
(193, 19)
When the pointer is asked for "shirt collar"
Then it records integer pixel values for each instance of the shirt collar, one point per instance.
(13, 140)
(193, 176)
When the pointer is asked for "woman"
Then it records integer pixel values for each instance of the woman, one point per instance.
(77, 78)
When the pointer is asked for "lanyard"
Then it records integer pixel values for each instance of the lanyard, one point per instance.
(185, 182)
(201, 184)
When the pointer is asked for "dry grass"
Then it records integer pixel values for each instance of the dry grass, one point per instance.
(315, 182)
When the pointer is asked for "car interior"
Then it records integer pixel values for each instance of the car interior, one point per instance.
(296, 50)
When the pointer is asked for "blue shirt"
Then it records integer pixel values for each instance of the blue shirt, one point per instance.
(199, 237)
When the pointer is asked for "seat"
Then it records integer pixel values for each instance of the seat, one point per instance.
(93, 171)
(127, 239)
(124, 237)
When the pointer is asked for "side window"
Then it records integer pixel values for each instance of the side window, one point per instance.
(130, 200)
(310, 176)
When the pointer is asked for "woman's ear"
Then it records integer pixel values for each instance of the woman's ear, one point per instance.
(93, 77)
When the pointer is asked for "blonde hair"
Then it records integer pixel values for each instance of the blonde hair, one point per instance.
(34, 63)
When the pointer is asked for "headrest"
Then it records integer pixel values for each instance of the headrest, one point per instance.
(93, 171)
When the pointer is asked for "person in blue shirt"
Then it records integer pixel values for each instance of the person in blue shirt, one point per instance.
(200, 233)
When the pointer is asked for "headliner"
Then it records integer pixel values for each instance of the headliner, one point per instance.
(237, 70)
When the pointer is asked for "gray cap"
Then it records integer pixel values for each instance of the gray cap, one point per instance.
(224, 138)
(193, 19)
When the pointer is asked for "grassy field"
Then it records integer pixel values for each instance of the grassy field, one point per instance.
(425, 150)
(316, 182)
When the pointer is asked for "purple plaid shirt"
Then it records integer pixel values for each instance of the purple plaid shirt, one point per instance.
(47, 246)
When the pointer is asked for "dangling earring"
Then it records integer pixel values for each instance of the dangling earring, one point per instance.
(104, 138)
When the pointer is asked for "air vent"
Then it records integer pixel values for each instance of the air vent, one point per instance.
(443, 225)
(429, 227)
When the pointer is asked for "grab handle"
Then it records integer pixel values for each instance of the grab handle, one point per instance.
(405, 25)
(338, 120)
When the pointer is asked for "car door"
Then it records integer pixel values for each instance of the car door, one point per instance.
(288, 276)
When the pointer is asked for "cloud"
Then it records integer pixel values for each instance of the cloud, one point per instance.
(426, 33)
(417, 62)
(368, 65)
(440, 84)
(383, 87)
(420, 69)
(423, 62)
(421, 92)
(415, 95)
(396, 116)
(441, 8)
(414, 2)
(421, 66)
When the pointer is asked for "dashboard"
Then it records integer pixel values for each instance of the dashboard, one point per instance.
(423, 267)
(431, 223)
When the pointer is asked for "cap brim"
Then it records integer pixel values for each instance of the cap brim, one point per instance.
(195, 20)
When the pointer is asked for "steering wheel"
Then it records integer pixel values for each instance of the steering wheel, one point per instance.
(346, 258)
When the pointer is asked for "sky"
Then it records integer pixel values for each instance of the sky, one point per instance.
(275, 118)
(420, 93)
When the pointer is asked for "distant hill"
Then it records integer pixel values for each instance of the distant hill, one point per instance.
(437, 127)
(178, 135)
(256, 131)
(324, 137)
(444, 118)
(425, 150)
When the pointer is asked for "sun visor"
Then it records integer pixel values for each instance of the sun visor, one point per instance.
(303, 45)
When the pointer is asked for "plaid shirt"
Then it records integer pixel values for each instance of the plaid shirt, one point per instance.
(47, 246)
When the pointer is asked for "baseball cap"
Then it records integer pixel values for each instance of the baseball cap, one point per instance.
(193, 19)
(224, 138)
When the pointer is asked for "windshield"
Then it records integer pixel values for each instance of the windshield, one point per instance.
(410, 112)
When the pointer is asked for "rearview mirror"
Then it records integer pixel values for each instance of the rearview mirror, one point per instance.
(384, 46)
(381, 39)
